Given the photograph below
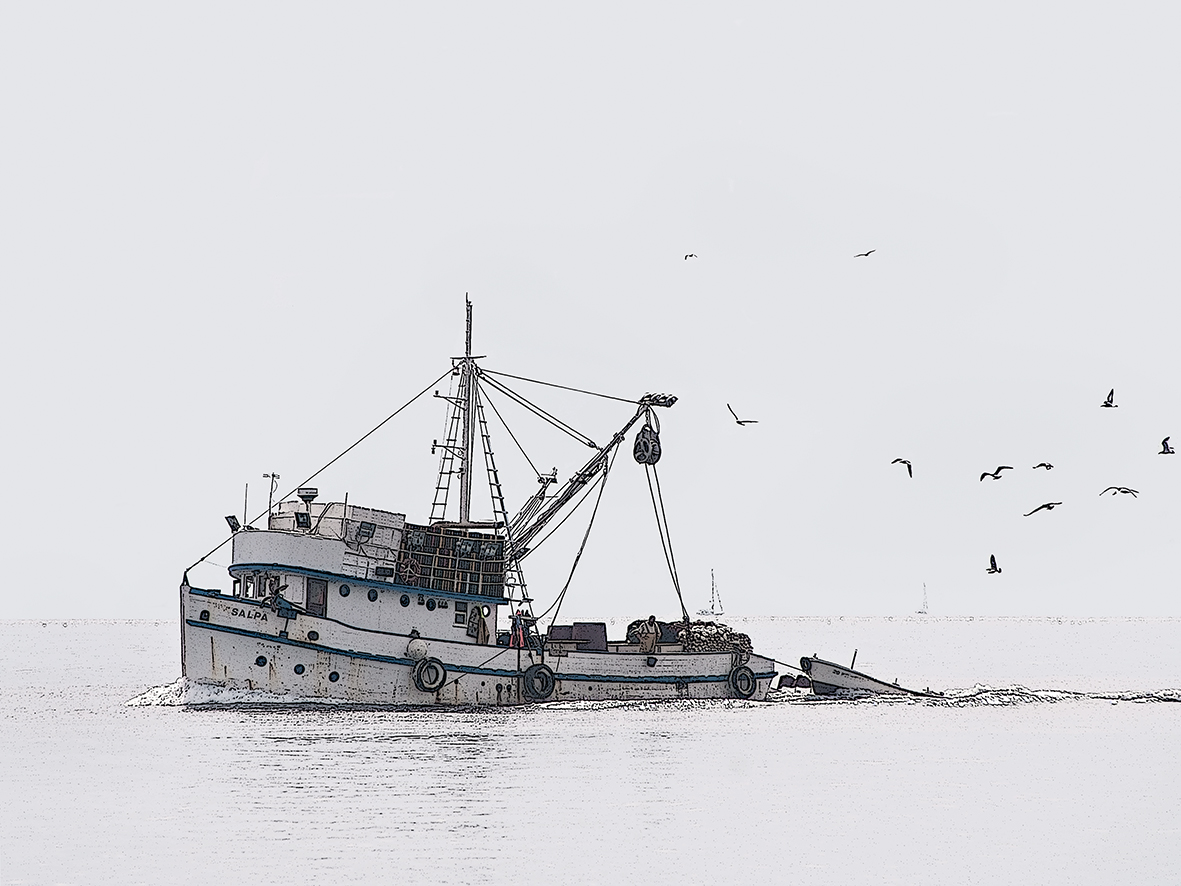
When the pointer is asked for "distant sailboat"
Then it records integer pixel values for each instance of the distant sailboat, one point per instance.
(715, 599)
(923, 611)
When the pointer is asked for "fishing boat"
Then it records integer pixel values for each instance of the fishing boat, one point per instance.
(830, 678)
(344, 602)
(715, 600)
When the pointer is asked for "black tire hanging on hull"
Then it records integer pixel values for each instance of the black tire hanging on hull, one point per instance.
(430, 675)
(742, 681)
(538, 682)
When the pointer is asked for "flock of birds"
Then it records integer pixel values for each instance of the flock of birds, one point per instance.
(1109, 403)
(993, 569)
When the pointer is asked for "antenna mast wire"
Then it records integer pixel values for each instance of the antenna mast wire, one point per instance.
(373, 431)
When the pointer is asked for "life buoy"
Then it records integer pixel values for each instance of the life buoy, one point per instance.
(430, 675)
(742, 681)
(538, 682)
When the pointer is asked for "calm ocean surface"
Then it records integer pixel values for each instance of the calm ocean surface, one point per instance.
(1054, 760)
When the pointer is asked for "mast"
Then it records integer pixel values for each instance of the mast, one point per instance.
(468, 394)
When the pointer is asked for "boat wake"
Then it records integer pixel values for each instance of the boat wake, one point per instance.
(980, 695)
(187, 693)
(184, 692)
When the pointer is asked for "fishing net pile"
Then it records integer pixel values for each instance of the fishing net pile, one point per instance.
(712, 636)
(699, 636)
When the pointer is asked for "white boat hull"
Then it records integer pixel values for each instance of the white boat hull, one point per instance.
(242, 643)
(829, 678)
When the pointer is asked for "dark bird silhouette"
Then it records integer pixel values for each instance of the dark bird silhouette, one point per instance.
(1044, 464)
(903, 461)
(1117, 490)
(865, 254)
(1049, 506)
(1165, 448)
(996, 475)
(742, 422)
(1110, 401)
(992, 567)
(689, 256)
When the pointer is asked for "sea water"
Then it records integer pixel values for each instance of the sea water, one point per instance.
(1053, 759)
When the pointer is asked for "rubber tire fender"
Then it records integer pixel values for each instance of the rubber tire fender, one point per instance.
(538, 682)
(806, 665)
(742, 682)
(430, 675)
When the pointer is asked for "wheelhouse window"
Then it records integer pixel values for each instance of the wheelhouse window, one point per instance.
(461, 613)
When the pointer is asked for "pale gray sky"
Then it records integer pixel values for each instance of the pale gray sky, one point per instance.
(235, 236)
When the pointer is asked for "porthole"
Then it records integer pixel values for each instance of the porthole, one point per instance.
(430, 605)
(373, 595)
(487, 611)
(299, 669)
(333, 677)
(482, 683)
(344, 590)
(313, 636)
(204, 615)
(261, 661)
(404, 599)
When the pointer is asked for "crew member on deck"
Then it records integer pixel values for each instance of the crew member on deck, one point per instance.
(517, 639)
(649, 633)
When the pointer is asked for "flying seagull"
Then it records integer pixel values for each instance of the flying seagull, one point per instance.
(1049, 506)
(865, 254)
(1044, 464)
(1110, 401)
(903, 461)
(742, 422)
(992, 568)
(689, 256)
(1116, 490)
(996, 475)
(1165, 448)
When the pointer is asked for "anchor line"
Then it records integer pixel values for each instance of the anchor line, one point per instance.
(480, 665)
(345, 452)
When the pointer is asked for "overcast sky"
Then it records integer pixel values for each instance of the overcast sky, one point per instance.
(234, 237)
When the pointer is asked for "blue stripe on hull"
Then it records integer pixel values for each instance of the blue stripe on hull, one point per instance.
(469, 669)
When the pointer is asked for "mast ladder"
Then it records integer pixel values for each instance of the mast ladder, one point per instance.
(513, 576)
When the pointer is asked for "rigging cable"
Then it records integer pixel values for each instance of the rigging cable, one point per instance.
(665, 535)
(541, 413)
(369, 434)
(488, 400)
(551, 384)
(557, 604)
